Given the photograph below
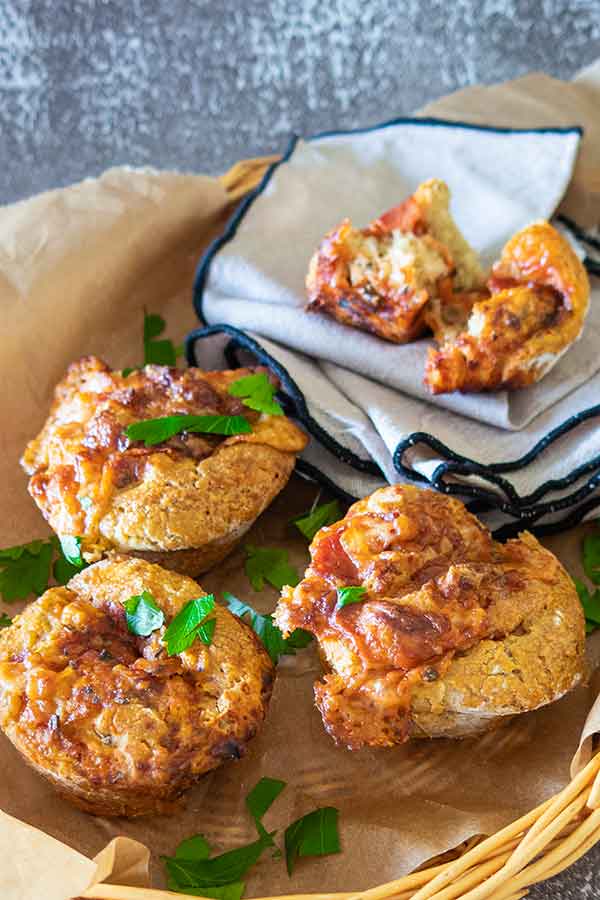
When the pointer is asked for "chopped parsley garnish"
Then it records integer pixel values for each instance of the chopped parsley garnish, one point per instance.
(25, 569)
(348, 595)
(590, 600)
(316, 518)
(5, 620)
(155, 431)
(269, 564)
(191, 623)
(143, 615)
(275, 643)
(591, 557)
(193, 871)
(315, 834)
(158, 352)
(256, 392)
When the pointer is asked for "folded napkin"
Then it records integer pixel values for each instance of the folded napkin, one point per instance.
(363, 398)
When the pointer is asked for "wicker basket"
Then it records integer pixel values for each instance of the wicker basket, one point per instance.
(502, 867)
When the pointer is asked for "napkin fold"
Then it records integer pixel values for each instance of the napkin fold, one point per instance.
(524, 456)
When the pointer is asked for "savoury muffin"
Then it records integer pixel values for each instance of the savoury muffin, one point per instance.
(381, 278)
(510, 336)
(451, 631)
(183, 503)
(116, 724)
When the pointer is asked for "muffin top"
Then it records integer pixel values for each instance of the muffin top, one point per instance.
(433, 585)
(84, 698)
(82, 462)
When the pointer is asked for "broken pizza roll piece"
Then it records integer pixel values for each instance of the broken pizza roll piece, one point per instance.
(429, 628)
(121, 718)
(512, 334)
(183, 487)
(380, 278)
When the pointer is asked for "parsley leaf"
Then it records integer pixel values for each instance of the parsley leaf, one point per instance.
(591, 605)
(269, 564)
(5, 620)
(155, 431)
(187, 626)
(348, 595)
(71, 550)
(312, 521)
(160, 353)
(233, 891)
(275, 643)
(315, 834)
(142, 614)
(25, 570)
(195, 847)
(591, 557)
(217, 871)
(262, 796)
(256, 392)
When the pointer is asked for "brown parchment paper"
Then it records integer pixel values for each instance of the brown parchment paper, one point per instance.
(77, 266)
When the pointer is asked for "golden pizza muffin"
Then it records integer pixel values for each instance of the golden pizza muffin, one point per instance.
(443, 632)
(514, 333)
(106, 715)
(184, 502)
(381, 278)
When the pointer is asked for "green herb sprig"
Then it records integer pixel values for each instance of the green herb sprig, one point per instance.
(143, 615)
(270, 635)
(316, 518)
(193, 871)
(269, 564)
(156, 352)
(191, 623)
(315, 834)
(256, 392)
(26, 568)
(5, 620)
(590, 600)
(348, 595)
(156, 431)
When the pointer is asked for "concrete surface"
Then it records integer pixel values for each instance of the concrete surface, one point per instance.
(197, 85)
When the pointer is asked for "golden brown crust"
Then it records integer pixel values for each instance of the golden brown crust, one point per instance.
(454, 631)
(536, 307)
(380, 278)
(190, 498)
(114, 723)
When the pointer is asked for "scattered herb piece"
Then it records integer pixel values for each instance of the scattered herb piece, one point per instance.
(348, 595)
(217, 871)
(316, 518)
(232, 891)
(591, 605)
(315, 834)
(5, 620)
(143, 614)
(25, 569)
(591, 557)
(155, 431)
(195, 847)
(256, 392)
(71, 549)
(186, 626)
(275, 643)
(262, 796)
(163, 352)
(269, 564)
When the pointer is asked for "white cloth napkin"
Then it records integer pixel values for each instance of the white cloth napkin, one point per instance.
(368, 394)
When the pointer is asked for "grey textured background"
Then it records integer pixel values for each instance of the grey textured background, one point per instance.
(197, 85)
